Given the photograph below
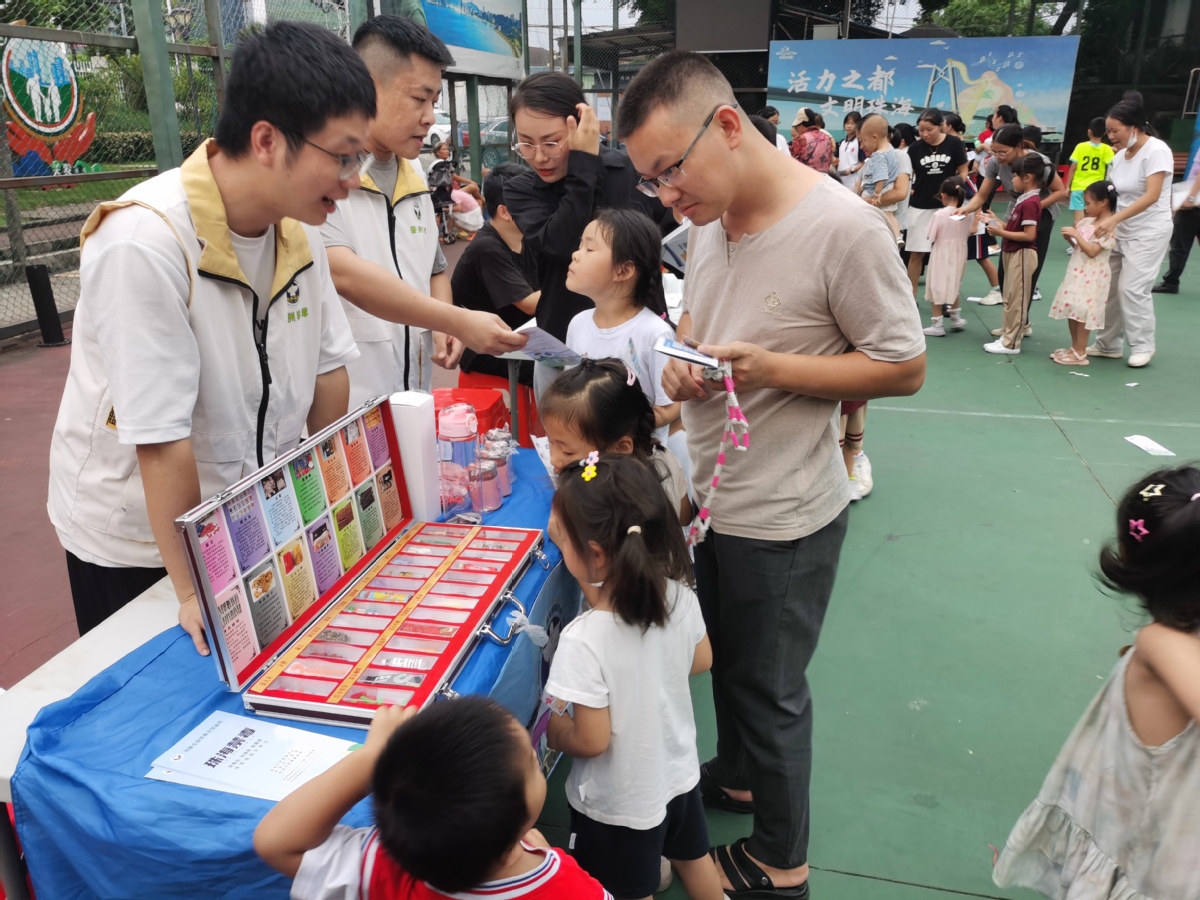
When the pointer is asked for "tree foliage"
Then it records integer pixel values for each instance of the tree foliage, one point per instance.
(76, 15)
(986, 18)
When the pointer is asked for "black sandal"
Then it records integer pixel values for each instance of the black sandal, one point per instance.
(747, 879)
(714, 795)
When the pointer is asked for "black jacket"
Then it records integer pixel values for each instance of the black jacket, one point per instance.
(552, 218)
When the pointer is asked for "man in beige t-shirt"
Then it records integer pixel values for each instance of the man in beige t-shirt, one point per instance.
(800, 286)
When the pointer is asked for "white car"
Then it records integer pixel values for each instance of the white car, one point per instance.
(439, 131)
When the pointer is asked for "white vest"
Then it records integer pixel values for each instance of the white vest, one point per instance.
(96, 500)
(410, 230)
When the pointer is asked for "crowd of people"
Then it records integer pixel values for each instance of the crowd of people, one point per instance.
(187, 374)
(1124, 238)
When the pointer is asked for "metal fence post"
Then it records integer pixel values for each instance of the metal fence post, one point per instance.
(216, 39)
(12, 204)
(160, 89)
(578, 42)
(44, 306)
(360, 11)
(473, 128)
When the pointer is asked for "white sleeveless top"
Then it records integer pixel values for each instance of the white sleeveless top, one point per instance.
(1115, 819)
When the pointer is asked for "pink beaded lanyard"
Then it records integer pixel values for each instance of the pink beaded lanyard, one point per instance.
(737, 432)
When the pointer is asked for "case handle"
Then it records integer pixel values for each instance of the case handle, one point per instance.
(486, 630)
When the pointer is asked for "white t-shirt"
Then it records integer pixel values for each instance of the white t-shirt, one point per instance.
(904, 167)
(256, 256)
(642, 678)
(633, 343)
(782, 144)
(1129, 178)
(847, 160)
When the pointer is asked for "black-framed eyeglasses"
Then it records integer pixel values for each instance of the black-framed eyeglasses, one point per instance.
(352, 164)
(673, 175)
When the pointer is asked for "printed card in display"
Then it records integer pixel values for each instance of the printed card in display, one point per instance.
(376, 436)
(369, 514)
(333, 468)
(310, 495)
(358, 457)
(247, 528)
(267, 610)
(349, 537)
(216, 551)
(283, 519)
(326, 565)
(298, 584)
(236, 625)
(389, 497)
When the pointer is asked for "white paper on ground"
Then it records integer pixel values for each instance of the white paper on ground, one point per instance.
(1154, 448)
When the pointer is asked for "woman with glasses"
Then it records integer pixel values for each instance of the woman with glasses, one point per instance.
(571, 178)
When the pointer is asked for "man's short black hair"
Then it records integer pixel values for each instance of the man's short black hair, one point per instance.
(670, 80)
(1098, 127)
(767, 111)
(493, 185)
(295, 76)
(404, 38)
(449, 791)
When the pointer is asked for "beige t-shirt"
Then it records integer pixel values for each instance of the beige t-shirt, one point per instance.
(824, 279)
(674, 481)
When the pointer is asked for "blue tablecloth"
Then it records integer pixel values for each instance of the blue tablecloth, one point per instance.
(91, 823)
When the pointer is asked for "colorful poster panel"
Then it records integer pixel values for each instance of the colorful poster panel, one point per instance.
(234, 615)
(283, 519)
(358, 456)
(298, 584)
(369, 514)
(349, 537)
(216, 551)
(326, 564)
(376, 436)
(333, 468)
(389, 497)
(267, 610)
(247, 529)
(310, 496)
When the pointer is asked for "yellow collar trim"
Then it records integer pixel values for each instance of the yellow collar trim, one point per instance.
(218, 258)
(408, 182)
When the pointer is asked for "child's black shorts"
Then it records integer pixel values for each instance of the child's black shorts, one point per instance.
(625, 860)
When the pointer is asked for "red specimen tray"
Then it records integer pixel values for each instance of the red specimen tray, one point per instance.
(342, 668)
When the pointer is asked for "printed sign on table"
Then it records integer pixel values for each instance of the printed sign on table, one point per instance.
(368, 513)
(234, 615)
(298, 584)
(358, 456)
(389, 497)
(376, 436)
(349, 537)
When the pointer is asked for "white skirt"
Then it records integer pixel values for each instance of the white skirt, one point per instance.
(917, 240)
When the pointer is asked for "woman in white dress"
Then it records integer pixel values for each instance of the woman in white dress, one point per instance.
(1140, 172)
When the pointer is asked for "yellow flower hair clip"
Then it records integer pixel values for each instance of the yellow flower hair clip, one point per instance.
(589, 465)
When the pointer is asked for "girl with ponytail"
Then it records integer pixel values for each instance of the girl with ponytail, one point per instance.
(948, 232)
(618, 684)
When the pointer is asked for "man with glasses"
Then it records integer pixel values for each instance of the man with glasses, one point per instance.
(383, 239)
(571, 178)
(800, 288)
(208, 332)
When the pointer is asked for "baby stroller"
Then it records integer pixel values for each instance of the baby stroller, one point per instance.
(441, 183)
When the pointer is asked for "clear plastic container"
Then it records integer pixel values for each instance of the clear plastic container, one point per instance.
(396, 584)
(454, 531)
(325, 650)
(405, 661)
(434, 540)
(413, 552)
(400, 597)
(391, 610)
(344, 636)
(321, 668)
(470, 553)
(417, 645)
(439, 615)
(454, 577)
(444, 602)
(506, 546)
(428, 629)
(462, 590)
(386, 678)
(402, 571)
(368, 695)
(475, 565)
(351, 620)
(310, 686)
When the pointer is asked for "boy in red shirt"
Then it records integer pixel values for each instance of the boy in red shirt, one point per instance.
(1018, 252)
(457, 789)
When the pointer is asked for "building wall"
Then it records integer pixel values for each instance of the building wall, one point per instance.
(706, 25)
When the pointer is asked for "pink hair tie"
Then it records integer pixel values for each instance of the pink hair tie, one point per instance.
(1137, 529)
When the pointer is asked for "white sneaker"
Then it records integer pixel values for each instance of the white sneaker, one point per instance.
(991, 298)
(862, 474)
(1070, 250)
(998, 347)
(1027, 331)
(938, 330)
(855, 489)
(665, 875)
(958, 323)
(1137, 360)
(1094, 350)
(1037, 293)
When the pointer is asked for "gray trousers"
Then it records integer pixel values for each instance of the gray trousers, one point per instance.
(1129, 312)
(763, 605)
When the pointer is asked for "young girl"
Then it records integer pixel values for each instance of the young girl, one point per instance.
(1084, 291)
(948, 231)
(599, 406)
(634, 784)
(618, 267)
(1018, 251)
(1116, 816)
